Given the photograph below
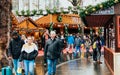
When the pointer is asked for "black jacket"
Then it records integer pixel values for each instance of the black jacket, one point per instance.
(53, 48)
(15, 47)
(28, 56)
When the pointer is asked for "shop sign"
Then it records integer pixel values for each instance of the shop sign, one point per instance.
(105, 12)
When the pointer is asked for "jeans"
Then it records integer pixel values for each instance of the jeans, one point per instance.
(99, 53)
(70, 46)
(95, 54)
(16, 64)
(29, 67)
(77, 50)
(51, 66)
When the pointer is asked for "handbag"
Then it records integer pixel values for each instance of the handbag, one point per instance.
(19, 70)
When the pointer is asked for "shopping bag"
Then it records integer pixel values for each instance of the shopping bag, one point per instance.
(19, 70)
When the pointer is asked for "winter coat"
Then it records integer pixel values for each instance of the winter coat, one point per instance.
(53, 48)
(70, 40)
(15, 47)
(29, 52)
(77, 41)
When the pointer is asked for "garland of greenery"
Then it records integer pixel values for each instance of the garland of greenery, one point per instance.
(51, 26)
(83, 12)
(59, 18)
(91, 9)
(48, 10)
(91, 31)
(104, 5)
(79, 29)
(66, 30)
(100, 30)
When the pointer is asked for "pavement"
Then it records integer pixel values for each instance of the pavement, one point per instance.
(83, 67)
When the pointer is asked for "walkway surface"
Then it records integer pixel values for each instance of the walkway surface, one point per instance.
(82, 67)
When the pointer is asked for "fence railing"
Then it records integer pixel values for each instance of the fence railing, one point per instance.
(109, 59)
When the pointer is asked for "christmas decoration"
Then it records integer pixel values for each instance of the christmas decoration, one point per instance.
(23, 12)
(59, 18)
(101, 6)
(100, 30)
(66, 30)
(86, 12)
(51, 26)
(93, 9)
(83, 12)
(91, 31)
(116, 1)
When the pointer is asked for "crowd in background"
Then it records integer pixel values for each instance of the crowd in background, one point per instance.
(57, 48)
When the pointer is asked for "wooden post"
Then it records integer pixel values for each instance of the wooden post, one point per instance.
(117, 27)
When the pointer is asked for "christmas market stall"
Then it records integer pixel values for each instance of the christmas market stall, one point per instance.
(58, 22)
(29, 28)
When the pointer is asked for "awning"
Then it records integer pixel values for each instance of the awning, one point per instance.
(97, 20)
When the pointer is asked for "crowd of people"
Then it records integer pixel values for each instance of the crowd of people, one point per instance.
(23, 50)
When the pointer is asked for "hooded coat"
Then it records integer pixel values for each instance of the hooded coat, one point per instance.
(15, 46)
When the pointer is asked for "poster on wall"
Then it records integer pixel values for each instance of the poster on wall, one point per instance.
(118, 31)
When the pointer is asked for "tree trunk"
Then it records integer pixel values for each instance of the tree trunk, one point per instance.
(5, 24)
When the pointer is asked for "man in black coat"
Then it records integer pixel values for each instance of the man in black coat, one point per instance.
(14, 49)
(52, 50)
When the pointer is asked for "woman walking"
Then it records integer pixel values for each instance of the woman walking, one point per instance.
(28, 55)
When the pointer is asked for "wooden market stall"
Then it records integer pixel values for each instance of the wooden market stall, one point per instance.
(111, 24)
(29, 28)
(59, 21)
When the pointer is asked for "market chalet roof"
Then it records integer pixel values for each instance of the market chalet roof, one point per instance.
(66, 19)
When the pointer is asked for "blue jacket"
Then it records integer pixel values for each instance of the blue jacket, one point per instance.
(70, 40)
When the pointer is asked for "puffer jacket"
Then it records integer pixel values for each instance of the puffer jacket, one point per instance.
(28, 56)
(53, 48)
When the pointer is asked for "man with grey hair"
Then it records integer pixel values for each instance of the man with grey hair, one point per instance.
(52, 52)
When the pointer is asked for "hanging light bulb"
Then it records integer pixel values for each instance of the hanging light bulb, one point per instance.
(86, 12)
(101, 6)
(94, 9)
(116, 1)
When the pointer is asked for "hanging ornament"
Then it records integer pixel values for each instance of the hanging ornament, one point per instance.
(116, 1)
(101, 6)
(59, 18)
(94, 9)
